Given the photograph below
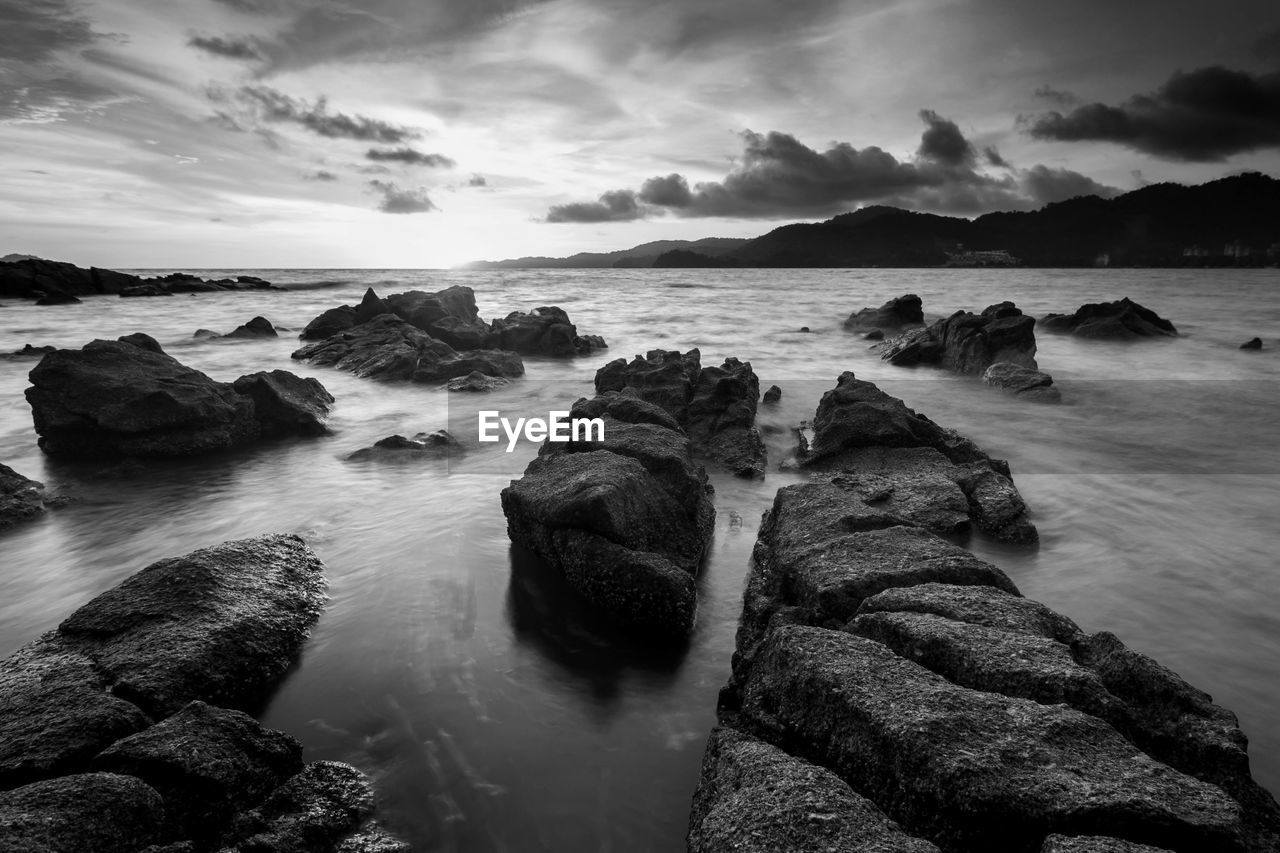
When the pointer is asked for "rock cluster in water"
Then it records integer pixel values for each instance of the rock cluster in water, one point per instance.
(128, 398)
(55, 282)
(715, 406)
(626, 519)
(892, 691)
(125, 727)
(1122, 320)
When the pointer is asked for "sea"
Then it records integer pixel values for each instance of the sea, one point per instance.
(495, 712)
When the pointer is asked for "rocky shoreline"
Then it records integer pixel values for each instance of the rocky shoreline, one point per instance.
(891, 691)
(61, 283)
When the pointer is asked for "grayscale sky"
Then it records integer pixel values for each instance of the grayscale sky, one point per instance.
(409, 133)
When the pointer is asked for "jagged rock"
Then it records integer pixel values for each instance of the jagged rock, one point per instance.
(21, 499)
(56, 712)
(1122, 320)
(435, 445)
(772, 394)
(330, 323)
(663, 377)
(67, 814)
(285, 404)
(424, 310)
(542, 331)
(387, 347)
(463, 334)
(969, 343)
(477, 382)
(221, 624)
(112, 398)
(371, 306)
(328, 806)
(626, 519)
(1022, 382)
(258, 327)
(145, 341)
(943, 760)
(207, 764)
(755, 798)
(1252, 343)
(977, 605)
(896, 314)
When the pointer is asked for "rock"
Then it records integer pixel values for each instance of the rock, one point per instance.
(205, 334)
(462, 334)
(111, 398)
(424, 310)
(942, 759)
(1094, 844)
(477, 382)
(542, 331)
(387, 347)
(57, 297)
(873, 335)
(326, 807)
(221, 624)
(969, 343)
(67, 814)
(146, 342)
(28, 351)
(1022, 382)
(1252, 343)
(32, 278)
(56, 712)
(436, 445)
(285, 404)
(772, 395)
(755, 798)
(207, 764)
(258, 327)
(330, 323)
(20, 499)
(896, 314)
(371, 306)
(662, 377)
(804, 330)
(1122, 320)
(977, 605)
(139, 290)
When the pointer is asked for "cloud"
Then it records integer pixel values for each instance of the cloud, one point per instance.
(396, 200)
(47, 100)
(36, 85)
(322, 175)
(1057, 97)
(778, 176)
(410, 157)
(35, 30)
(1204, 115)
(943, 142)
(477, 181)
(613, 206)
(228, 48)
(273, 106)
(1267, 46)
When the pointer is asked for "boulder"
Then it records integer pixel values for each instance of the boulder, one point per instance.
(1022, 382)
(329, 323)
(145, 341)
(896, 314)
(665, 378)
(968, 343)
(542, 331)
(207, 764)
(873, 335)
(221, 624)
(754, 798)
(424, 310)
(477, 382)
(258, 327)
(205, 334)
(436, 445)
(285, 404)
(34, 278)
(67, 814)
(371, 306)
(1122, 320)
(20, 499)
(56, 712)
(1252, 343)
(389, 348)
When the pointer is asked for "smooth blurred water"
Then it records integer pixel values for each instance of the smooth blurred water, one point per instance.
(494, 713)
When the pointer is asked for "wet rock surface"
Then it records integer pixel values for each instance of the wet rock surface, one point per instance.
(967, 343)
(899, 313)
(21, 499)
(128, 398)
(917, 675)
(108, 740)
(1122, 320)
(715, 406)
(435, 445)
(626, 518)
(1022, 382)
(1252, 343)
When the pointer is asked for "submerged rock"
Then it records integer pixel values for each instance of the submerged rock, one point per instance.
(477, 382)
(435, 445)
(1022, 382)
(969, 343)
(1122, 320)
(1252, 343)
(258, 327)
(896, 314)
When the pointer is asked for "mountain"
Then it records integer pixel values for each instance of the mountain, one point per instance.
(1234, 221)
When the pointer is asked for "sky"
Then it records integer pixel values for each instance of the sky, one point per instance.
(426, 133)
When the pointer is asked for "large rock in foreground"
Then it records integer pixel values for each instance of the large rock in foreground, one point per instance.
(1123, 320)
(626, 519)
(118, 398)
(968, 343)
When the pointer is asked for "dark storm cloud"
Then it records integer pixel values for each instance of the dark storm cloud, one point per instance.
(274, 106)
(1057, 97)
(410, 157)
(943, 142)
(228, 48)
(778, 176)
(34, 30)
(34, 84)
(46, 100)
(614, 206)
(994, 158)
(396, 200)
(1204, 115)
